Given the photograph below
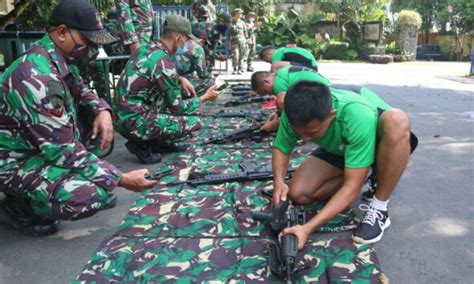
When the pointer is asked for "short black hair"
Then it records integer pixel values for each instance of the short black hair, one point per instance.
(257, 78)
(306, 101)
(264, 50)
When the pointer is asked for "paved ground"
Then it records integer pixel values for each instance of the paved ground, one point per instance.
(431, 239)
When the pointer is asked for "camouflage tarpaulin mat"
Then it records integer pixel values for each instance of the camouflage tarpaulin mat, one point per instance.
(180, 233)
(224, 260)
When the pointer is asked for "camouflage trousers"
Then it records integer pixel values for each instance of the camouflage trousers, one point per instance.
(53, 192)
(252, 53)
(158, 127)
(239, 55)
(201, 85)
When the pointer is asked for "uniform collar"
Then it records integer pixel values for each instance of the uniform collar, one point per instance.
(162, 46)
(55, 55)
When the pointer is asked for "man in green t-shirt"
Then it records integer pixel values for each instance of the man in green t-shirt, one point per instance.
(354, 132)
(276, 83)
(288, 56)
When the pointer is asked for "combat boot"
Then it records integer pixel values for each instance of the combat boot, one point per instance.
(144, 152)
(164, 148)
(21, 217)
(250, 68)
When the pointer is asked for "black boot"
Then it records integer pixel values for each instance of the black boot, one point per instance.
(144, 152)
(164, 148)
(19, 214)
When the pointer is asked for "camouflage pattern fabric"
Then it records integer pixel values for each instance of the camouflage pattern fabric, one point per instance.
(136, 20)
(199, 12)
(224, 260)
(205, 234)
(191, 58)
(41, 156)
(238, 39)
(149, 104)
(214, 36)
(252, 42)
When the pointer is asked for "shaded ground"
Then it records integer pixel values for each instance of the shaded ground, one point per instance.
(431, 238)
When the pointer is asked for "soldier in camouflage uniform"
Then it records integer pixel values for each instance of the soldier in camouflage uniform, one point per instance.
(199, 12)
(238, 41)
(46, 172)
(136, 22)
(192, 64)
(151, 111)
(252, 39)
(216, 33)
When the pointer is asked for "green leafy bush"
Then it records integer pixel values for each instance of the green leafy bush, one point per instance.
(409, 18)
(337, 50)
(393, 48)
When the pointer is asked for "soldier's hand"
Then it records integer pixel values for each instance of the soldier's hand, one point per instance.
(210, 95)
(187, 87)
(280, 192)
(135, 180)
(134, 47)
(271, 124)
(103, 124)
(301, 232)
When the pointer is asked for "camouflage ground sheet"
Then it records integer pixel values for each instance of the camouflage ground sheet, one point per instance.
(206, 233)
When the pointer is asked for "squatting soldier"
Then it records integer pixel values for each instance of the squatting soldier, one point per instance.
(238, 41)
(252, 27)
(354, 132)
(151, 111)
(136, 22)
(288, 56)
(216, 33)
(192, 59)
(46, 172)
(277, 83)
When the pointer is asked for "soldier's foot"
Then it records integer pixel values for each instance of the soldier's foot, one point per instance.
(144, 152)
(171, 147)
(235, 72)
(371, 229)
(24, 222)
(250, 69)
(241, 71)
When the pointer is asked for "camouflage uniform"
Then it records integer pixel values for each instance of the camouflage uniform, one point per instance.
(199, 12)
(238, 39)
(136, 20)
(41, 157)
(149, 104)
(251, 43)
(214, 36)
(191, 58)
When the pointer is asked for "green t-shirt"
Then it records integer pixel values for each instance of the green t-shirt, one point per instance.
(290, 75)
(296, 55)
(352, 133)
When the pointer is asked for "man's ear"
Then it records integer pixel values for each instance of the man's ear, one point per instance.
(62, 33)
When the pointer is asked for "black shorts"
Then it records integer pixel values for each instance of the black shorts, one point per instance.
(338, 161)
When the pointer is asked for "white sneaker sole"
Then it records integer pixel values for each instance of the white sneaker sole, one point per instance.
(359, 240)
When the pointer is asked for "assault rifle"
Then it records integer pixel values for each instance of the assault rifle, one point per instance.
(253, 132)
(247, 100)
(282, 259)
(248, 173)
(240, 113)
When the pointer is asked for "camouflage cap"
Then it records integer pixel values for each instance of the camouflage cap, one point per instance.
(238, 10)
(179, 24)
(83, 17)
(252, 14)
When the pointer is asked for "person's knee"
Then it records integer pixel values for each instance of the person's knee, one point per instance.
(299, 193)
(396, 126)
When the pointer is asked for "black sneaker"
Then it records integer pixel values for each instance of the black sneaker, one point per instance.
(371, 183)
(143, 152)
(26, 222)
(250, 69)
(371, 229)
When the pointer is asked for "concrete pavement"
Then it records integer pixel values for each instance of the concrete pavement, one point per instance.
(431, 238)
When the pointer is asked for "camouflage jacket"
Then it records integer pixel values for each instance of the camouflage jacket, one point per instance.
(191, 58)
(149, 84)
(213, 38)
(38, 119)
(251, 32)
(199, 12)
(238, 33)
(136, 20)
